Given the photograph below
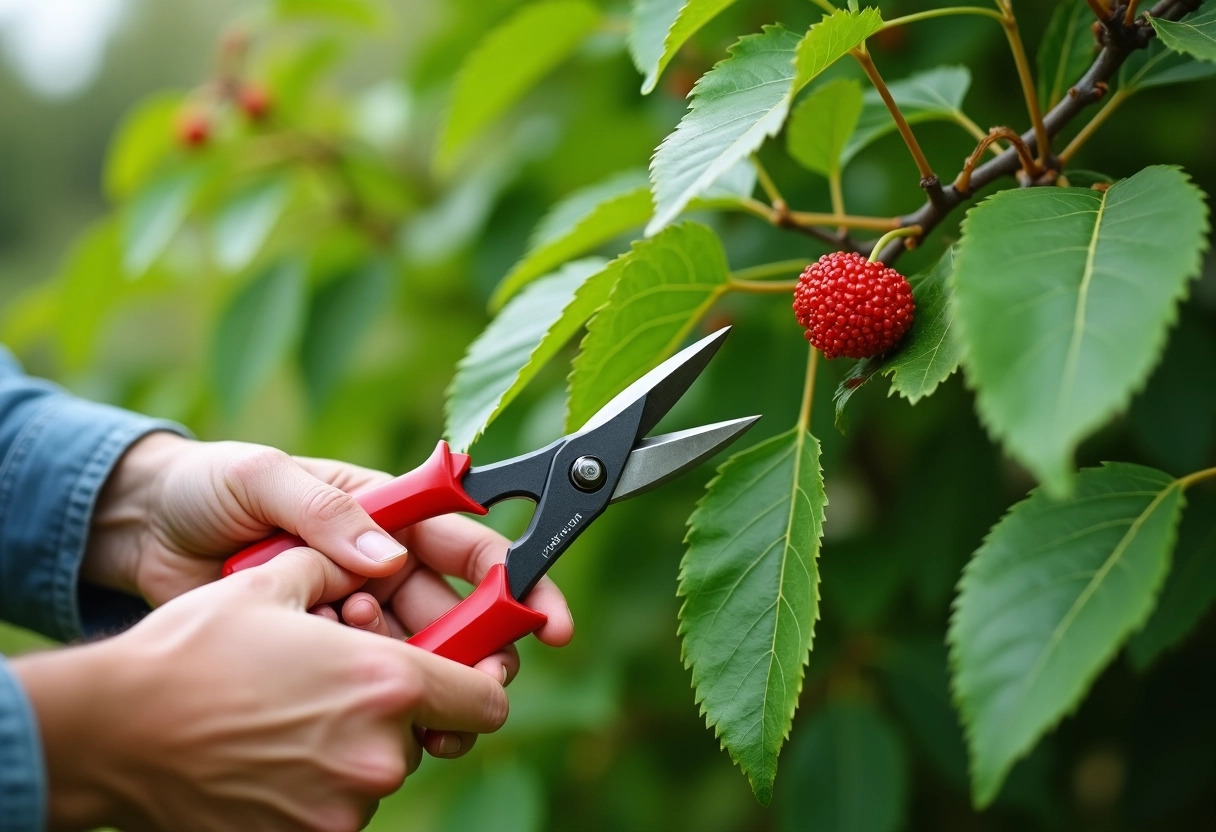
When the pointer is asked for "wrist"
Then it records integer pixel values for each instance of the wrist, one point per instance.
(68, 692)
(120, 523)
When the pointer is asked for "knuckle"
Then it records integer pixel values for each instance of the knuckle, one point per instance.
(344, 817)
(326, 504)
(251, 465)
(385, 772)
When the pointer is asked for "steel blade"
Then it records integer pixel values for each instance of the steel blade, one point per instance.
(660, 458)
(663, 386)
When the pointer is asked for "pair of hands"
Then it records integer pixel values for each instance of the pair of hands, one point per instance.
(228, 707)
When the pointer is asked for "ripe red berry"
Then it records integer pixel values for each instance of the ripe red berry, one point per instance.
(193, 128)
(254, 100)
(850, 306)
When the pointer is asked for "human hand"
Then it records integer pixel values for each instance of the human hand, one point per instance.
(230, 709)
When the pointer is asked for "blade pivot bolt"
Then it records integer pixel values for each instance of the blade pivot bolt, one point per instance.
(587, 473)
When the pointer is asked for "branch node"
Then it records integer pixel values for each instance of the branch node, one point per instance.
(933, 187)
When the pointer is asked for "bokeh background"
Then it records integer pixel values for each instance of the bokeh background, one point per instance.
(310, 281)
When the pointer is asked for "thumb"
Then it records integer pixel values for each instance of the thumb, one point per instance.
(276, 490)
(299, 577)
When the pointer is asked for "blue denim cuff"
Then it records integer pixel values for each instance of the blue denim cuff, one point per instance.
(22, 775)
(49, 482)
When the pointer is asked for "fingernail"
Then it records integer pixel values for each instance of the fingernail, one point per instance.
(366, 607)
(379, 547)
(571, 614)
(449, 744)
(504, 675)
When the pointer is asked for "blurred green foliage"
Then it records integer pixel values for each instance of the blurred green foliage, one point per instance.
(310, 280)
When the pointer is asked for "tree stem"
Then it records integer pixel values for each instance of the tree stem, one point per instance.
(948, 10)
(762, 287)
(1198, 476)
(1100, 9)
(976, 131)
(766, 183)
(765, 270)
(805, 218)
(808, 392)
(963, 182)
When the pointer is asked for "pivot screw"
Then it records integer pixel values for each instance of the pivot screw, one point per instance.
(587, 473)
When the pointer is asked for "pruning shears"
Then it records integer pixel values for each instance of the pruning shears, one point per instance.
(571, 481)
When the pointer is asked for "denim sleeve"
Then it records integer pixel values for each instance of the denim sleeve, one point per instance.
(56, 452)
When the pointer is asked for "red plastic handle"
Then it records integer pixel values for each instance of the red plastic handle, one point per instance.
(431, 489)
(483, 623)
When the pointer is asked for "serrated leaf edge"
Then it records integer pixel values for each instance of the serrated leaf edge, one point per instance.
(758, 788)
(961, 704)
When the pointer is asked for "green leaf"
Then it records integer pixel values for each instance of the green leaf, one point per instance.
(929, 353)
(829, 40)
(246, 221)
(1064, 297)
(1156, 66)
(735, 106)
(1067, 50)
(751, 597)
(1194, 35)
(1046, 603)
(661, 27)
(522, 339)
(822, 123)
(933, 95)
(360, 13)
(255, 332)
(582, 221)
(508, 62)
(847, 773)
(140, 145)
(1190, 588)
(155, 216)
(662, 286)
(340, 314)
(742, 101)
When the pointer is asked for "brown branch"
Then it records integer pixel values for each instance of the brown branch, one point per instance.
(1101, 10)
(1119, 41)
(922, 164)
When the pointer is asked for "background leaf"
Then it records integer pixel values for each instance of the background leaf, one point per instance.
(750, 586)
(587, 218)
(246, 221)
(141, 144)
(1046, 603)
(1190, 588)
(525, 335)
(822, 123)
(662, 288)
(254, 333)
(360, 13)
(1057, 322)
(846, 772)
(155, 216)
(665, 27)
(339, 316)
(933, 95)
(1067, 50)
(506, 795)
(1157, 66)
(930, 352)
(508, 62)
(735, 106)
(1194, 35)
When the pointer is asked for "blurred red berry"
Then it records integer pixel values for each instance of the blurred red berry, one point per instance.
(852, 307)
(254, 100)
(193, 128)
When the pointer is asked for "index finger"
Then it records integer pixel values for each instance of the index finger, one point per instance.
(455, 545)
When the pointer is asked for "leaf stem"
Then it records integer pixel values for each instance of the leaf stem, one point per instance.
(1198, 476)
(1130, 14)
(837, 195)
(1089, 129)
(948, 10)
(761, 287)
(781, 268)
(804, 218)
(767, 184)
(1010, 24)
(808, 392)
(867, 64)
(906, 231)
(963, 182)
(1100, 9)
(826, 6)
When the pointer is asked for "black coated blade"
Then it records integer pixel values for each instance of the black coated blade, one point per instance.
(662, 387)
(658, 459)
